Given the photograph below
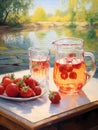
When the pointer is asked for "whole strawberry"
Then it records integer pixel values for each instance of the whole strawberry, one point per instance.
(10, 76)
(16, 80)
(54, 97)
(1, 89)
(20, 83)
(29, 81)
(7, 79)
(37, 90)
(27, 92)
(12, 90)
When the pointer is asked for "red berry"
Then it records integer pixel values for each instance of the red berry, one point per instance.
(37, 90)
(2, 89)
(6, 81)
(11, 76)
(62, 68)
(54, 97)
(12, 90)
(77, 66)
(29, 81)
(69, 67)
(17, 80)
(66, 67)
(20, 83)
(35, 69)
(72, 55)
(6, 76)
(73, 75)
(80, 85)
(27, 92)
(64, 75)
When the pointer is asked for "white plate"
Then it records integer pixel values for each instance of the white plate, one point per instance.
(24, 99)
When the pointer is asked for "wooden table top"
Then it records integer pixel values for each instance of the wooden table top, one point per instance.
(35, 114)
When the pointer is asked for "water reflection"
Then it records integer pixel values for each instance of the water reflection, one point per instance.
(25, 39)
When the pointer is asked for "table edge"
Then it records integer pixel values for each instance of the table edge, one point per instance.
(24, 123)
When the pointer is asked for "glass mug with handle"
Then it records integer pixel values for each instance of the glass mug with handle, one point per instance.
(70, 69)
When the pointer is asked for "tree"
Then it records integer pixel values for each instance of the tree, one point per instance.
(58, 12)
(91, 18)
(82, 10)
(13, 7)
(92, 13)
(39, 15)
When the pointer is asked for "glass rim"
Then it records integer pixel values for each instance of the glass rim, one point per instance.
(37, 49)
(69, 41)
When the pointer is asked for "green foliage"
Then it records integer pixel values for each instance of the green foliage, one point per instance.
(13, 7)
(83, 10)
(72, 19)
(13, 23)
(91, 34)
(39, 15)
(91, 17)
(72, 25)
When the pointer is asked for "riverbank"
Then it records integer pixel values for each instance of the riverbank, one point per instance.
(39, 25)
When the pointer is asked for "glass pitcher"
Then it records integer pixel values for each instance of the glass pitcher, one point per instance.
(70, 69)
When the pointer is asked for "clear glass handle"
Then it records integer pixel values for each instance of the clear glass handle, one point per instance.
(92, 70)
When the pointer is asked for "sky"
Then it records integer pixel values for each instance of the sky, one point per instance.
(49, 5)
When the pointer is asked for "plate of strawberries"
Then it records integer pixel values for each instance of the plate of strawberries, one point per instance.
(21, 89)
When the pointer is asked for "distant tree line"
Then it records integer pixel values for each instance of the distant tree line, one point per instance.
(16, 11)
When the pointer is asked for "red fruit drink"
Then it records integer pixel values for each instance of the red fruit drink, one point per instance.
(40, 68)
(39, 63)
(69, 74)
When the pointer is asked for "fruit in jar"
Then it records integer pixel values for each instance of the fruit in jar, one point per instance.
(69, 73)
(64, 75)
(73, 75)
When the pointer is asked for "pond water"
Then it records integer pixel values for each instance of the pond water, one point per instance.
(14, 45)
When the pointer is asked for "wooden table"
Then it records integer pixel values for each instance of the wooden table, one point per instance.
(78, 111)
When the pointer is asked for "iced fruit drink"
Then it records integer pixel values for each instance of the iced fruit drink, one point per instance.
(40, 68)
(69, 74)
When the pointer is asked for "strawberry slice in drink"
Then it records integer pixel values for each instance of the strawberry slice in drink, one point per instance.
(62, 68)
(77, 63)
(64, 75)
(69, 67)
(73, 75)
(72, 55)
